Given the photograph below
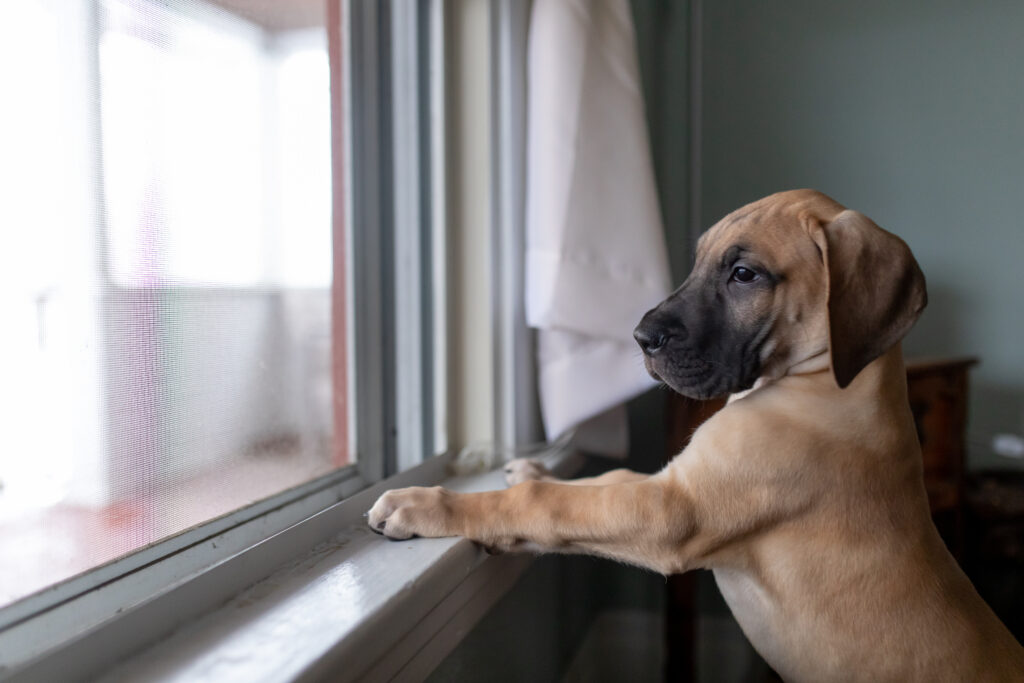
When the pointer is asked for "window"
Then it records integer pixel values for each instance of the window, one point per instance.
(189, 323)
(169, 344)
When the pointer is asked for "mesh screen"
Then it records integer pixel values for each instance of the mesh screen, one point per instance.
(165, 274)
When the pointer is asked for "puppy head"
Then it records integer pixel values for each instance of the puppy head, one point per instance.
(781, 282)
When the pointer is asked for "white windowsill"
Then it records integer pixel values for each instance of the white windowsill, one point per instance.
(353, 607)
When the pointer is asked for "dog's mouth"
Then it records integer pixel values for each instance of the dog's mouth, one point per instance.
(695, 377)
(686, 376)
(698, 350)
(649, 366)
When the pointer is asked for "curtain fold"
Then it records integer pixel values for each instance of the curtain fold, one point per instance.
(595, 248)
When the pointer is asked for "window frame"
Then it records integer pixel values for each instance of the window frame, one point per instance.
(89, 621)
(452, 583)
(395, 96)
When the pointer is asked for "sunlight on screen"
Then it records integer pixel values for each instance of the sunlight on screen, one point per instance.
(165, 278)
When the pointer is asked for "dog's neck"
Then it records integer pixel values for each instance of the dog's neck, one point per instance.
(879, 373)
(816, 362)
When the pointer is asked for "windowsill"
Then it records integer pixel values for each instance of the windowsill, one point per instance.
(356, 606)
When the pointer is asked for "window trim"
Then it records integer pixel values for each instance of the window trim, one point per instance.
(393, 138)
(516, 414)
(342, 362)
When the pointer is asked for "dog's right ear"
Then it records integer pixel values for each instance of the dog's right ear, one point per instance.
(876, 291)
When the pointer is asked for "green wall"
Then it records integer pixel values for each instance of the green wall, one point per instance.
(912, 112)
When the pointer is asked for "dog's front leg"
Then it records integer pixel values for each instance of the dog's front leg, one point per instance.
(531, 469)
(642, 522)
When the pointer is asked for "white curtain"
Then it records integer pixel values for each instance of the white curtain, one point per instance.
(595, 248)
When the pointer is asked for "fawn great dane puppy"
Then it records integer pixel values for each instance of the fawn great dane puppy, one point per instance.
(804, 494)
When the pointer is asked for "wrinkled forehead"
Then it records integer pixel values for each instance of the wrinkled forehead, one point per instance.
(777, 225)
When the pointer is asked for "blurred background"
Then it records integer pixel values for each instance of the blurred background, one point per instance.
(909, 112)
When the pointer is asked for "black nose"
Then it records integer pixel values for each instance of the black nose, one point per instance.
(649, 340)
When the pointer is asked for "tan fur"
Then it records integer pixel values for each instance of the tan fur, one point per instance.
(806, 500)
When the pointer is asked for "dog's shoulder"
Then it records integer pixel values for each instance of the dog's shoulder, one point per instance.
(757, 422)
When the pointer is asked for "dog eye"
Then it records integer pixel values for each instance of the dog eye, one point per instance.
(741, 274)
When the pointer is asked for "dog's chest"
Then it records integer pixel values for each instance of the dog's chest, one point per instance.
(754, 610)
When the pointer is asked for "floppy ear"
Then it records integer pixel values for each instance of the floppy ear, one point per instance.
(876, 291)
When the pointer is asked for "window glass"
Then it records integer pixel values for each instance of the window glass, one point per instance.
(166, 272)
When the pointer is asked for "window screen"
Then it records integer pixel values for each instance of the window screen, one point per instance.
(166, 272)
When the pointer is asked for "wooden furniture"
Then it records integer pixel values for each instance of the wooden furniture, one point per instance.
(937, 389)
